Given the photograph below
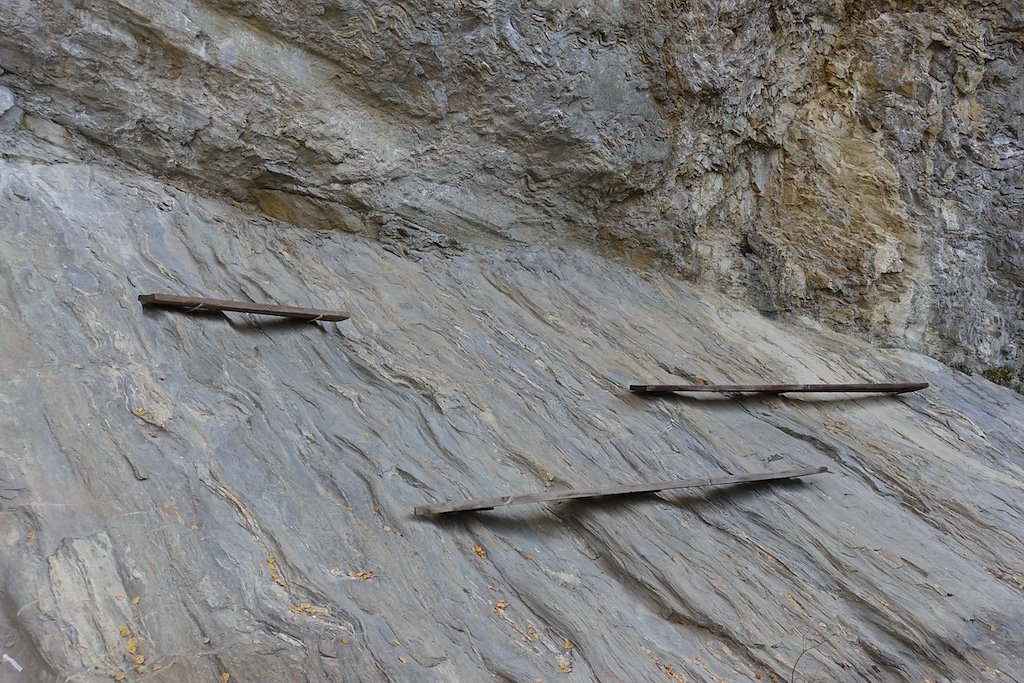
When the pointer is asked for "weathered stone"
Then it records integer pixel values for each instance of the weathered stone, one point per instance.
(47, 131)
(504, 196)
(769, 149)
(10, 113)
(6, 100)
(283, 461)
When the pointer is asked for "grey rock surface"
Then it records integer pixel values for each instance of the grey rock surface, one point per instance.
(10, 112)
(858, 162)
(250, 482)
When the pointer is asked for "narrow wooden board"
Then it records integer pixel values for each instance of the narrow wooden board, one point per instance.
(195, 304)
(431, 509)
(899, 388)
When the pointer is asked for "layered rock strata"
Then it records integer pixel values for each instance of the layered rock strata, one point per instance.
(230, 496)
(856, 162)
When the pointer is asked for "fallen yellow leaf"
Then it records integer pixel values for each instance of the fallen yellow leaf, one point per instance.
(565, 667)
(275, 574)
(303, 608)
(568, 645)
(136, 600)
(119, 676)
(122, 631)
(140, 659)
(480, 552)
(365, 576)
(225, 677)
(206, 641)
(132, 646)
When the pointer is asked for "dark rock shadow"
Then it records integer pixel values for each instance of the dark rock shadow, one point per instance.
(161, 312)
(548, 514)
(244, 322)
(720, 400)
(262, 325)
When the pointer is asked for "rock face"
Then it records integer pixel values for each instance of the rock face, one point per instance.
(858, 162)
(251, 482)
(505, 197)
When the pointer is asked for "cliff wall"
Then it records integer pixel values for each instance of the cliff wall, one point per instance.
(856, 162)
(525, 209)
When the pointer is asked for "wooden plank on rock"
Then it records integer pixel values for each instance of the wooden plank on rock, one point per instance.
(196, 304)
(897, 388)
(431, 509)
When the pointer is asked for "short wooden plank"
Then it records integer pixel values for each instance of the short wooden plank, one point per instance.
(431, 509)
(196, 304)
(897, 388)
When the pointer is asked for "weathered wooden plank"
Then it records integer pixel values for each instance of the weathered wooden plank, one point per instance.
(431, 509)
(194, 304)
(897, 388)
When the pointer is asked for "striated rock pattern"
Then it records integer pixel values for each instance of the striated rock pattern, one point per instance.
(526, 208)
(855, 161)
(199, 498)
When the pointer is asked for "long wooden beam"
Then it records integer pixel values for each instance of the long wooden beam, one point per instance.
(431, 509)
(898, 388)
(194, 304)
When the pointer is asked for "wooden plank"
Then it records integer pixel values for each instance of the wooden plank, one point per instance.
(194, 304)
(431, 509)
(898, 388)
